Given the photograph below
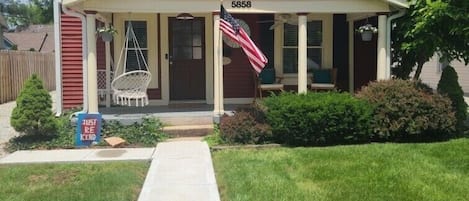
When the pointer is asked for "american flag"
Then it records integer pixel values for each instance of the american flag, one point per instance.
(230, 27)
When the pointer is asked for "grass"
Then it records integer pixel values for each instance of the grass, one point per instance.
(114, 181)
(433, 171)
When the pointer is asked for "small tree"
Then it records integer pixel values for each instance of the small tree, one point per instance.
(33, 112)
(448, 85)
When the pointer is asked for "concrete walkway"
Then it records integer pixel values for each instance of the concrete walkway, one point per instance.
(179, 171)
(78, 155)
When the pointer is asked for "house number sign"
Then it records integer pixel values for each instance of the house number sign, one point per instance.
(241, 4)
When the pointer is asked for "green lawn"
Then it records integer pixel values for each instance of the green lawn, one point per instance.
(433, 171)
(114, 181)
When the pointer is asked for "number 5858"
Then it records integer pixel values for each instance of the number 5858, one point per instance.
(241, 4)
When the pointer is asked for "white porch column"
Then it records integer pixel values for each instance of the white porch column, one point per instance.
(218, 109)
(302, 53)
(382, 54)
(108, 71)
(92, 63)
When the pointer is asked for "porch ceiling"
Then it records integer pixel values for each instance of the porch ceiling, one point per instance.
(258, 6)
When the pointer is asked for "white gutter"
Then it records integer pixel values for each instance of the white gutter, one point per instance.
(399, 3)
(84, 54)
(388, 40)
(58, 58)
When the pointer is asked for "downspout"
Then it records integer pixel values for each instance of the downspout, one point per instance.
(399, 14)
(84, 53)
(58, 58)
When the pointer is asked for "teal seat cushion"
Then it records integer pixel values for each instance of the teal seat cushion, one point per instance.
(267, 76)
(322, 76)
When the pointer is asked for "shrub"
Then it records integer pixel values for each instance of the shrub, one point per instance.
(246, 126)
(147, 133)
(33, 112)
(214, 139)
(408, 110)
(318, 118)
(448, 85)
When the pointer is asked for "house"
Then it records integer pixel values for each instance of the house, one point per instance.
(189, 62)
(3, 27)
(38, 38)
(431, 73)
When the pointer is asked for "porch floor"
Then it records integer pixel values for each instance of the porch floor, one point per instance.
(172, 114)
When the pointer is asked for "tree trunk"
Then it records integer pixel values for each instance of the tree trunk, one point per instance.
(419, 70)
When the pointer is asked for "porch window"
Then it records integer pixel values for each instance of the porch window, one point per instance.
(314, 46)
(133, 56)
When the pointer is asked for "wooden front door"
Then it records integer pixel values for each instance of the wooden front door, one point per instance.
(187, 59)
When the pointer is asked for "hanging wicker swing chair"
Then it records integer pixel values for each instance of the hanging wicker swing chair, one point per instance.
(131, 86)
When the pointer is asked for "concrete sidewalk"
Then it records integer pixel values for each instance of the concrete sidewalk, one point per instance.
(78, 155)
(182, 171)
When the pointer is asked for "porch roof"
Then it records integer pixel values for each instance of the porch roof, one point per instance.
(258, 6)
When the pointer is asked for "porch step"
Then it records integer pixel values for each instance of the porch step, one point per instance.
(188, 130)
(186, 120)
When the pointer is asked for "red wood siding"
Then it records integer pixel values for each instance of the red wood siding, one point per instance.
(72, 73)
(72, 65)
(365, 56)
(238, 75)
(100, 53)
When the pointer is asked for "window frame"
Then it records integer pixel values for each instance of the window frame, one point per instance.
(308, 47)
(326, 57)
(133, 49)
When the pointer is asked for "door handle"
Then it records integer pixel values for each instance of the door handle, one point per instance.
(168, 57)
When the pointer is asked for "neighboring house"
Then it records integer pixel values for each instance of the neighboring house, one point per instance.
(38, 38)
(3, 27)
(184, 55)
(431, 73)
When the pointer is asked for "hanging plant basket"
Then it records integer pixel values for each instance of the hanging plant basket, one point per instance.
(367, 35)
(106, 33)
(106, 36)
(367, 31)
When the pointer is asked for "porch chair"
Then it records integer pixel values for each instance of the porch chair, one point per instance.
(267, 81)
(324, 79)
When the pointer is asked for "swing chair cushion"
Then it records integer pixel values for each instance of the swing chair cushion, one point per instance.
(131, 86)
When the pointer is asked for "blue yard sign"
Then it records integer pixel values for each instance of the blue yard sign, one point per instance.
(88, 129)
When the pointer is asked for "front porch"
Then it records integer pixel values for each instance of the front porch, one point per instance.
(320, 35)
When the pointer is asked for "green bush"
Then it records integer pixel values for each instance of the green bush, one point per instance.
(214, 139)
(33, 112)
(64, 138)
(147, 133)
(246, 126)
(408, 110)
(318, 118)
(449, 86)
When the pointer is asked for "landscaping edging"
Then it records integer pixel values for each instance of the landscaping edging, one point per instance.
(250, 146)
